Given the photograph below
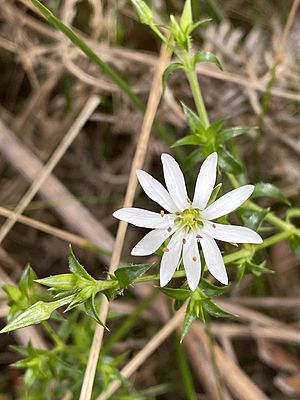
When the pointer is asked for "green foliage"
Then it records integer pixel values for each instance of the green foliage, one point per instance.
(168, 71)
(268, 190)
(127, 275)
(206, 56)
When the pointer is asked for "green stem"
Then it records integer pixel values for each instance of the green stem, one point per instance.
(198, 98)
(56, 339)
(186, 374)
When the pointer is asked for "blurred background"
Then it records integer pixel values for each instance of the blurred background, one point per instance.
(46, 84)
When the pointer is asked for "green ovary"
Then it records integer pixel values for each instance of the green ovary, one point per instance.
(190, 219)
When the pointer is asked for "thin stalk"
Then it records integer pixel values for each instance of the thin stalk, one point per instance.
(186, 374)
(56, 339)
(198, 98)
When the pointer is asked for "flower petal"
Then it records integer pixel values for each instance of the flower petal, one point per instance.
(171, 258)
(205, 181)
(151, 242)
(144, 218)
(191, 261)
(227, 203)
(175, 181)
(213, 258)
(155, 191)
(231, 233)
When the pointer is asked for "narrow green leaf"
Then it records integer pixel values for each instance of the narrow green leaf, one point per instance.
(80, 43)
(178, 294)
(77, 268)
(186, 17)
(35, 314)
(268, 190)
(217, 311)
(91, 311)
(82, 296)
(206, 56)
(27, 279)
(228, 163)
(189, 318)
(188, 140)
(231, 133)
(214, 194)
(193, 120)
(168, 71)
(197, 24)
(127, 275)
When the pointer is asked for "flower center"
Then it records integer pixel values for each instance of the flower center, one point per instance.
(190, 219)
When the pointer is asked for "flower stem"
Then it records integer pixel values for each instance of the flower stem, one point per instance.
(195, 87)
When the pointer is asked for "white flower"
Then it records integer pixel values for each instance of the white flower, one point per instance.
(188, 222)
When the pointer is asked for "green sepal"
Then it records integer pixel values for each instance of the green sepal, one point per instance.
(168, 71)
(214, 194)
(143, 11)
(268, 190)
(76, 268)
(35, 314)
(127, 275)
(177, 294)
(91, 311)
(216, 311)
(206, 56)
(210, 289)
(186, 18)
(80, 297)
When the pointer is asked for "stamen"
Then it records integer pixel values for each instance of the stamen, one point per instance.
(177, 213)
(214, 226)
(162, 213)
(165, 249)
(169, 229)
(199, 237)
(194, 259)
(183, 241)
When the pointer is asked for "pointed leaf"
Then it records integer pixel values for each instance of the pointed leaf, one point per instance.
(231, 133)
(193, 120)
(76, 267)
(217, 311)
(91, 311)
(206, 56)
(168, 71)
(59, 282)
(267, 189)
(212, 290)
(255, 219)
(127, 275)
(189, 140)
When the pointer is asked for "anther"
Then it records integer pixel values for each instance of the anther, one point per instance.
(162, 213)
(194, 259)
(177, 213)
(183, 241)
(169, 229)
(165, 249)
(214, 226)
(199, 237)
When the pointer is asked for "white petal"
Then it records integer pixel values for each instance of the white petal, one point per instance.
(213, 259)
(144, 218)
(205, 181)
(155, 191)
(191, 261)
(151, 242)
(231, 233)
(171, 258)
(227, 203)
(175, 181)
